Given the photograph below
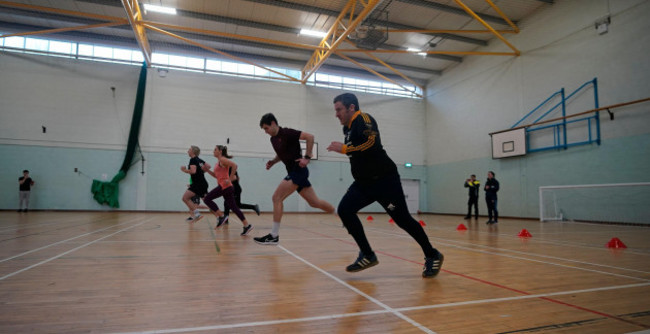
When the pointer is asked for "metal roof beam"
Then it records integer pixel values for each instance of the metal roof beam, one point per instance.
(453, 10)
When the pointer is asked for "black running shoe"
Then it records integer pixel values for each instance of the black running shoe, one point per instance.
(221, 221)
(432, 265)
(189, 219)
(267, 240)
(247, 229)
(257, 209)
(363, 262)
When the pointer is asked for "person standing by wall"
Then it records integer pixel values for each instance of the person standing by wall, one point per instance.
(376, 179)
(25, 187)
(491, 189)
(473, 184)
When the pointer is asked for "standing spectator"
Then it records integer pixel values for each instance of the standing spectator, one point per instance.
(473, 184)
(26, 183)
(491, 188)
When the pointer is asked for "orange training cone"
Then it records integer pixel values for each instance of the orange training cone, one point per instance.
(370, 218)
(422, 223)
(461, 227)
(525, 234)
(616, 243)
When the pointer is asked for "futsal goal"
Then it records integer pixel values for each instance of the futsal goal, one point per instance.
(607, 203)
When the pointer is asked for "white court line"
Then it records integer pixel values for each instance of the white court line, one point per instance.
(72, 250)
(402, 309)
(522, 258)
(338, 280)
(59, 242)
(553, 257)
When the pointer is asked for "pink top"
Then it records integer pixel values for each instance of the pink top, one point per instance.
(222, 175)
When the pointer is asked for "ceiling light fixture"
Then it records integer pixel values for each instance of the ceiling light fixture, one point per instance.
(313, 33)
(160, 9)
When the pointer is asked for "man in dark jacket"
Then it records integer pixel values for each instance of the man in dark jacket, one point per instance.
(474, 185)
(491, 188)
(375, 180)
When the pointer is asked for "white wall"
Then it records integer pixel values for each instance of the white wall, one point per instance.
(74, 100)
(559, 48)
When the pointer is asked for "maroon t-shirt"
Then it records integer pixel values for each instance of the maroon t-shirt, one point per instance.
(287, 146)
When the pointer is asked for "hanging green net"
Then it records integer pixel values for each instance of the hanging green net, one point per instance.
(108, 192)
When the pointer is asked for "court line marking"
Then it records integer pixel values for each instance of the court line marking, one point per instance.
(52, 221)
(531, 260)
(500, 285)
(547, 256)
(62, 241)
(446, 242)
(544, 241)
(359, 292)
(72, 250)
(384, 311)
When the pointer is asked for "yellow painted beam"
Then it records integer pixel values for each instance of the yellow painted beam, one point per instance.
(442, 31)
(52, 31)
(189, 41)
(393, 69)
(433, 52)
(337, 35)
(485, 24)
(134, 15)
(376, 73)
(503, 15)
(229, 35)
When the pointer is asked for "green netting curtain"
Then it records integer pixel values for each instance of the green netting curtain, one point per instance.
(108, 192)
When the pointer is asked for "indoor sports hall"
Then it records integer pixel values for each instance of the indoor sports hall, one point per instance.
(519, 130)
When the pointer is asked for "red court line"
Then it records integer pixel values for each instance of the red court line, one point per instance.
(491, 283)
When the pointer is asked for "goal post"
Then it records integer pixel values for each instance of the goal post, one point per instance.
(610, 203)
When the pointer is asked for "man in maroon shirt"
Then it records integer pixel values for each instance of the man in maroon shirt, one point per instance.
(286, 143)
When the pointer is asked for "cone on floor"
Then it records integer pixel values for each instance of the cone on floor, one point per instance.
(391, 220)
(370, 218)
(525, 234)
(616, 243)
(422, 223)
(461, 227)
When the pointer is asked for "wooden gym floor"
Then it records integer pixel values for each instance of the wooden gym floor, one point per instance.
(113, 272)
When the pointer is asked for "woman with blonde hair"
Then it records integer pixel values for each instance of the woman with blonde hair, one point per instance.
(198, 185)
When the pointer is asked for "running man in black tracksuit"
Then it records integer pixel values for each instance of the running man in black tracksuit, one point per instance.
(375, 180)
(491, 188)
(474, 185)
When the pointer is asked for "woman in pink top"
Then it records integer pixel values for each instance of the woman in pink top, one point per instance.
(225, 188)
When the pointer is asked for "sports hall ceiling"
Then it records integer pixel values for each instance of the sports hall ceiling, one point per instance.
(367, 37)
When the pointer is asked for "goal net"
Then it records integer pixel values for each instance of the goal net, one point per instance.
(610, 203)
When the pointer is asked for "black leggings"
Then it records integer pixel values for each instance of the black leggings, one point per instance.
(389, 193)
(226, 207)
(228, 197)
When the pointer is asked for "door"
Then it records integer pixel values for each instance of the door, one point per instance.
(412, 194)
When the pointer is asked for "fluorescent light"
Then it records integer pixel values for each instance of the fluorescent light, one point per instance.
(413, 50)
(160, 9)
(313, 33)
(423, 54)
(408, 165)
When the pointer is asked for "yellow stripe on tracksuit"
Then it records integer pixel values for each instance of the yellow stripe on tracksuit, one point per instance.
(371, 139)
